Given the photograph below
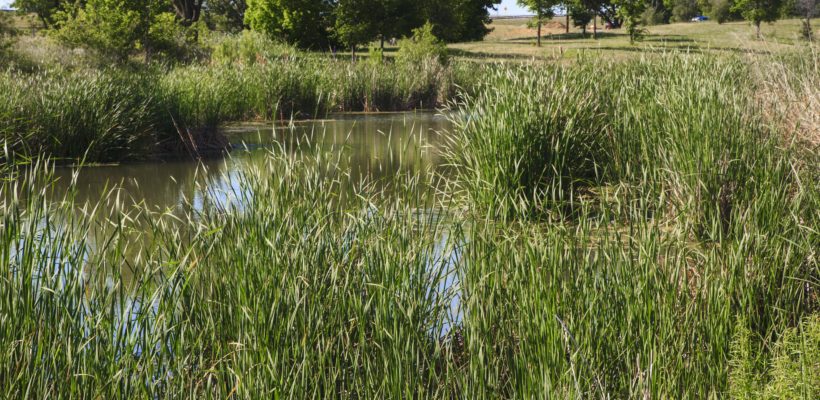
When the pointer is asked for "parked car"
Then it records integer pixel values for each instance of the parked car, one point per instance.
(700, 18)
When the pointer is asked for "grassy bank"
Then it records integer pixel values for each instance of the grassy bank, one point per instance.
(125, 114)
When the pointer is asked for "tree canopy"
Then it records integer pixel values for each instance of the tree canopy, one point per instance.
(306, 23)
(759, 11)
(317, 24)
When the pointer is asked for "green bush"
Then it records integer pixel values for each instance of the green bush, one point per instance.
(249, 48)
(422, 47)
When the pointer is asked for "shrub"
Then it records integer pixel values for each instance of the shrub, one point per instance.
(422, 47)
(249, 48)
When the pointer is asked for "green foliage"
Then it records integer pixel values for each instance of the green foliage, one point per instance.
(674, 212)
(100, 116)
(115, 29)
(248, 48)
(7, 33)
(305, 23)
(226, 15)
(683, 10)
(581, 17)
(543, 10)
(721, 11)
(655, 15)
(119, 29)
(422, 47)
(116, 115)
(317, 24)
(631, 11)
(759, 11)
(355, 22)
(792, 370)
(455, 20)
(375, 55)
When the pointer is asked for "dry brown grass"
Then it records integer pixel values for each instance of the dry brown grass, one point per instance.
(790, 95)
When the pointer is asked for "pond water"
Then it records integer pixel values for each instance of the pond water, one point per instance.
(370, 146)
(376, 146)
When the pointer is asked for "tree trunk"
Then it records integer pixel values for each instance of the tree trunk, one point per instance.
(539, 31)
(757, 29)
(353, 53)
(381, 45)
(595, 26)
(188, 10)
(567, 25)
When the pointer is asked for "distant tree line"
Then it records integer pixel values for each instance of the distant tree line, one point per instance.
(121, 28)
(632, 14)
(316, 24)
(324, 23)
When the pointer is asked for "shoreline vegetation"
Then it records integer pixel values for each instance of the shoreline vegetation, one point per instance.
(118, 114)
(637, 228)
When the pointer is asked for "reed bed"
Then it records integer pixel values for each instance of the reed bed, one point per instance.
(633, 230)
(123, 114)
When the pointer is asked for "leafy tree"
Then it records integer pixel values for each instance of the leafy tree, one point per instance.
(472, 17)
(759, 11)
(355, 22)
(630, 11)
(543, 10)
(117, 29)
(595, 8)
(44, 9)
(455, 20)
(580, 14)
(305, 23)
(719, 10)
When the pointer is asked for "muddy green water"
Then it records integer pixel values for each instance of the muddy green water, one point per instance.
(376, 146)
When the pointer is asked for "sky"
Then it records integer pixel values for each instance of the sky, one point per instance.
(507, 7)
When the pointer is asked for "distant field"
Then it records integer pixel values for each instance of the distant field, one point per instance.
(512, 39)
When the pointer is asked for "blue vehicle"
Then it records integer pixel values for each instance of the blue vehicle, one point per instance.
(700, 18)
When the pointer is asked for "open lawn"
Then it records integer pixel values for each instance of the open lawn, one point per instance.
(512, 39)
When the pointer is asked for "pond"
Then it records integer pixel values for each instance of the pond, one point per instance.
(376, 146)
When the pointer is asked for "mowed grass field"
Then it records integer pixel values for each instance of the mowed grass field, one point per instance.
(512, 39)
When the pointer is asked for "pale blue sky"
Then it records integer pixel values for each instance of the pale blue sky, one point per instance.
(510, 7)
(507, 7)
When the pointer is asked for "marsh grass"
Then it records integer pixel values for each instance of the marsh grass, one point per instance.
(608, 230)
(126, 114)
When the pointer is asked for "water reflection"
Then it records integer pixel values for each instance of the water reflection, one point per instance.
(376, 146)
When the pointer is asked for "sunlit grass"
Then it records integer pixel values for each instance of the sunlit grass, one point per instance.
(609, 231)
